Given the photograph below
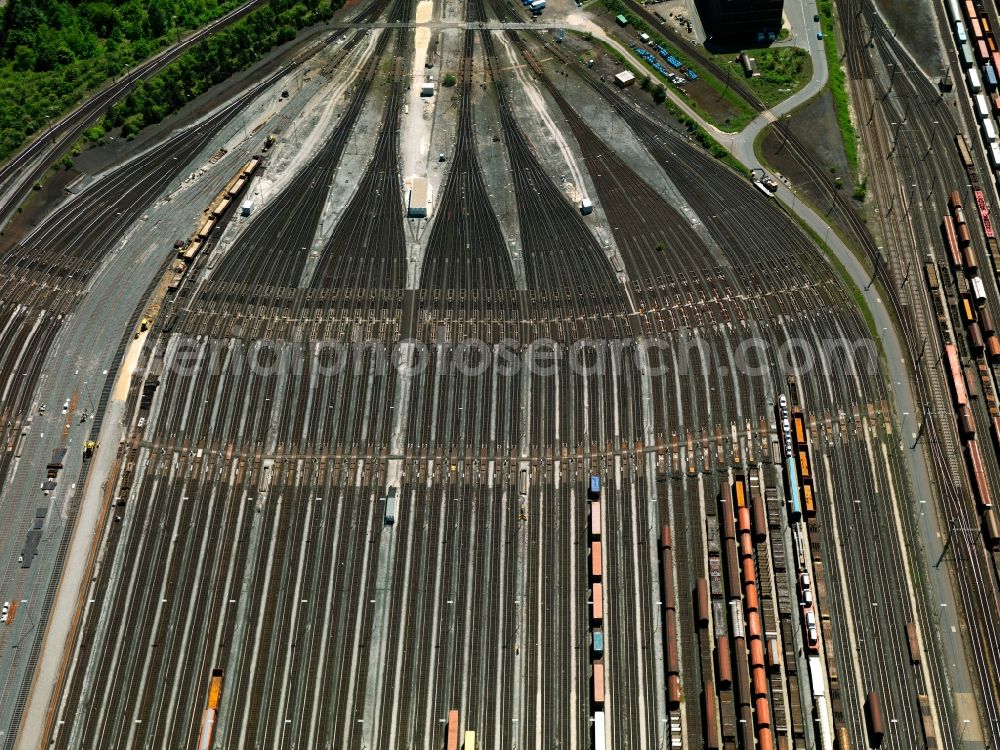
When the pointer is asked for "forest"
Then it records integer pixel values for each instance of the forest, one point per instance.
(53, 52)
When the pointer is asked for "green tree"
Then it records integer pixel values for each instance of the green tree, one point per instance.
(24, 58)
(660, 93)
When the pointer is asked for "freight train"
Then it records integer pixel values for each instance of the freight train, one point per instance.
(188, 251)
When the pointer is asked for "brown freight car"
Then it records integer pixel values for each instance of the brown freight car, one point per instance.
(913, 642)
(873, 713)
(762, 709)
(708, 716)
(701, 603)
(951, 242)
(993, 348)
(723, 663)
(991, 529)
(976, 342)
(966, 424)
(986, 322)
(977, 474)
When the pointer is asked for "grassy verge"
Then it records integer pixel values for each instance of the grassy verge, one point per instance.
(838, 84)
(704, 139)
(783, 71)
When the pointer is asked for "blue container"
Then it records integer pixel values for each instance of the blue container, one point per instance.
(594, 491)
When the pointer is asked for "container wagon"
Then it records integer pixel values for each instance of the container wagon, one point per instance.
(967, 56)
(989, 77)
(988, 128)
(470, 741)
(599, 731)
(983, 55)
(597, 604)
(959, 32)
(982, 105)
(594, 488)
(597, 685)
(595, 561)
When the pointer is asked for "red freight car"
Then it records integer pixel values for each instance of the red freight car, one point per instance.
(951, 241)
(873, 712)
(708, 716)
(595, 561)
(452, 730)
(977, 474)
(597, 683)
(667, 567)
(953, 370)
(597, 604)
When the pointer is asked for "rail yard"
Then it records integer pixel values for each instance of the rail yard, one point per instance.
(434, 391)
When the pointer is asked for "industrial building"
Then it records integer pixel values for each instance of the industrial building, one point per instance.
(416, 207)
(744, 20)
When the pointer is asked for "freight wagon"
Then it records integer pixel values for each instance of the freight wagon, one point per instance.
(953, 369)
(979, 290)
(211, 710)
(594, 488)
(977, 474)
(452, 736)
(873, 714)
(951, 241)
